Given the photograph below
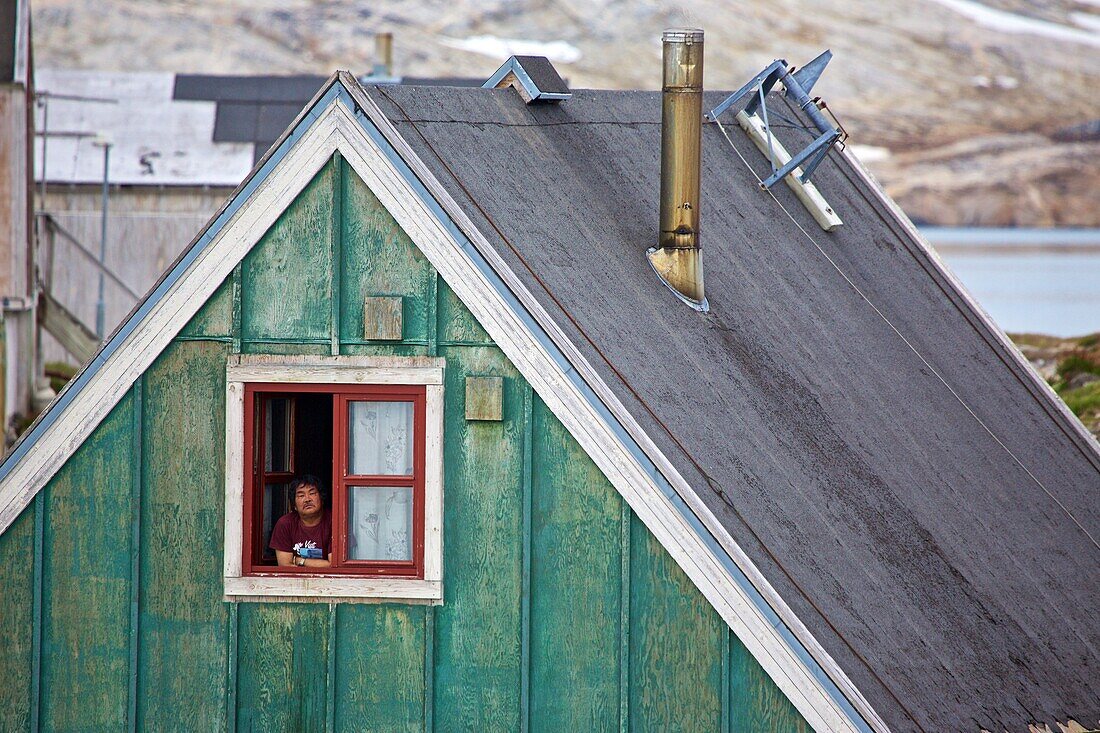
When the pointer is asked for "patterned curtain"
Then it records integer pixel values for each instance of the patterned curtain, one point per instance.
(380, 441)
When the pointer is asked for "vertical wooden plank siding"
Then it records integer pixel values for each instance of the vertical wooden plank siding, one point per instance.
(561, 611)
(36, 631)
(136, 416)
(330, 669)
(380, 668)
(380, 259)
(675, 644)
(182, 668)
(575, 575)
(86, 588)
(17, 633)
(286, 286)
(625, 524)
(282, 667)
(336, 257)
(477, 628)
(525, 533)
(429, 669)
(214, 321)
(756, 704)
(457, 326)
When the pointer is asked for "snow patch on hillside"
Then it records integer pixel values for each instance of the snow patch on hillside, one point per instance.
(501, 48)
(1005, 22)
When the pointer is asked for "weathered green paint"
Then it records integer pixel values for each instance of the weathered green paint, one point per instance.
(478, 627)
(215, 319)
(136, 456)
(380, 259)
(86, 598)
(17, 631)
(282, 662)
(575, 576)
(561, 611)
(675, 644)
(457, 325)
(182, 617)
(380, 668)
(286, 280)
(756, 704)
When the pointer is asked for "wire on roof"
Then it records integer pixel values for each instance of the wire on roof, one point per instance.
(908, 343)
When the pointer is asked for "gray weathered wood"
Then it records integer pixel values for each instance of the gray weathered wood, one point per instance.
(484, 398)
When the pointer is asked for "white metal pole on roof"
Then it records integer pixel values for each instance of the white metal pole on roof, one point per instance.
(99, 306)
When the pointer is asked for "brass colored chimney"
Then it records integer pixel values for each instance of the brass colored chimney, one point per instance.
(677, 258)
(383, 55)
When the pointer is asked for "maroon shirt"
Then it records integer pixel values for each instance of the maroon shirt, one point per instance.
(289, 534)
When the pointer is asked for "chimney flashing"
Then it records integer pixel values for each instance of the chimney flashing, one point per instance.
(534, 77)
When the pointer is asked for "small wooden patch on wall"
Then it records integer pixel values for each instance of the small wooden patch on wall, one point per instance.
(382, 317)
(484, 398)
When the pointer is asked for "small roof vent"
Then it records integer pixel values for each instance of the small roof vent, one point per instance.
(534, 77)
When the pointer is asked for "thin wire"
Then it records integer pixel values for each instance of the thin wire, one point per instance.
(907, 341)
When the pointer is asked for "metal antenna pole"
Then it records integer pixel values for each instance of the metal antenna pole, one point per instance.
(99, 306)
(44, 101)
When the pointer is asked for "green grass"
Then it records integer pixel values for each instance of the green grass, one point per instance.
(59, 373)
(1083, 400)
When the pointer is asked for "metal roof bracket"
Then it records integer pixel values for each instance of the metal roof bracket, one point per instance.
(797, 85)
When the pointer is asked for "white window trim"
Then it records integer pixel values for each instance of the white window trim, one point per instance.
(367, 370)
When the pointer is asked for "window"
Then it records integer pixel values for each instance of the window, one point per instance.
(370, 428)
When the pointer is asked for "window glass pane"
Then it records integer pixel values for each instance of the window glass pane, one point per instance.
(276, 504)
(277, 419)
(380, 523)
(380, 438)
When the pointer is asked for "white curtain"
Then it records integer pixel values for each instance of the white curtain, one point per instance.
(380, 438)
(380, 523)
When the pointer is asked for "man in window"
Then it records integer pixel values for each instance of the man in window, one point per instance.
(303, 536)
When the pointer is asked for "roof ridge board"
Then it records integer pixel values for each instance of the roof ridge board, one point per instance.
(234, 201)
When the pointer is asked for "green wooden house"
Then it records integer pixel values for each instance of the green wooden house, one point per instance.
(600, 509)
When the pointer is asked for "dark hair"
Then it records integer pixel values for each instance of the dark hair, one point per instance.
(306, 480)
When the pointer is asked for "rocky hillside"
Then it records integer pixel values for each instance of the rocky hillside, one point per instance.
(1072, 367)
(969, 113)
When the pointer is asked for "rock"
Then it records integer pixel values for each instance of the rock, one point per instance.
(1081, 379)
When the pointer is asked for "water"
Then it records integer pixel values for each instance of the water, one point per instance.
(1028, 280)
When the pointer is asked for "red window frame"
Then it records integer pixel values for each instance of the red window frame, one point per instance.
(255, 394)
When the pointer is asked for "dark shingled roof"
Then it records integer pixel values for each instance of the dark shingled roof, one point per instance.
(953, 589)
(543, 73)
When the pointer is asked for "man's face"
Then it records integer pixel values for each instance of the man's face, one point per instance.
(307, 500)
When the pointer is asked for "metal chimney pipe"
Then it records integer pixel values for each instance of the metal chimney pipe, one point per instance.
(383, 55)
(677, 259)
